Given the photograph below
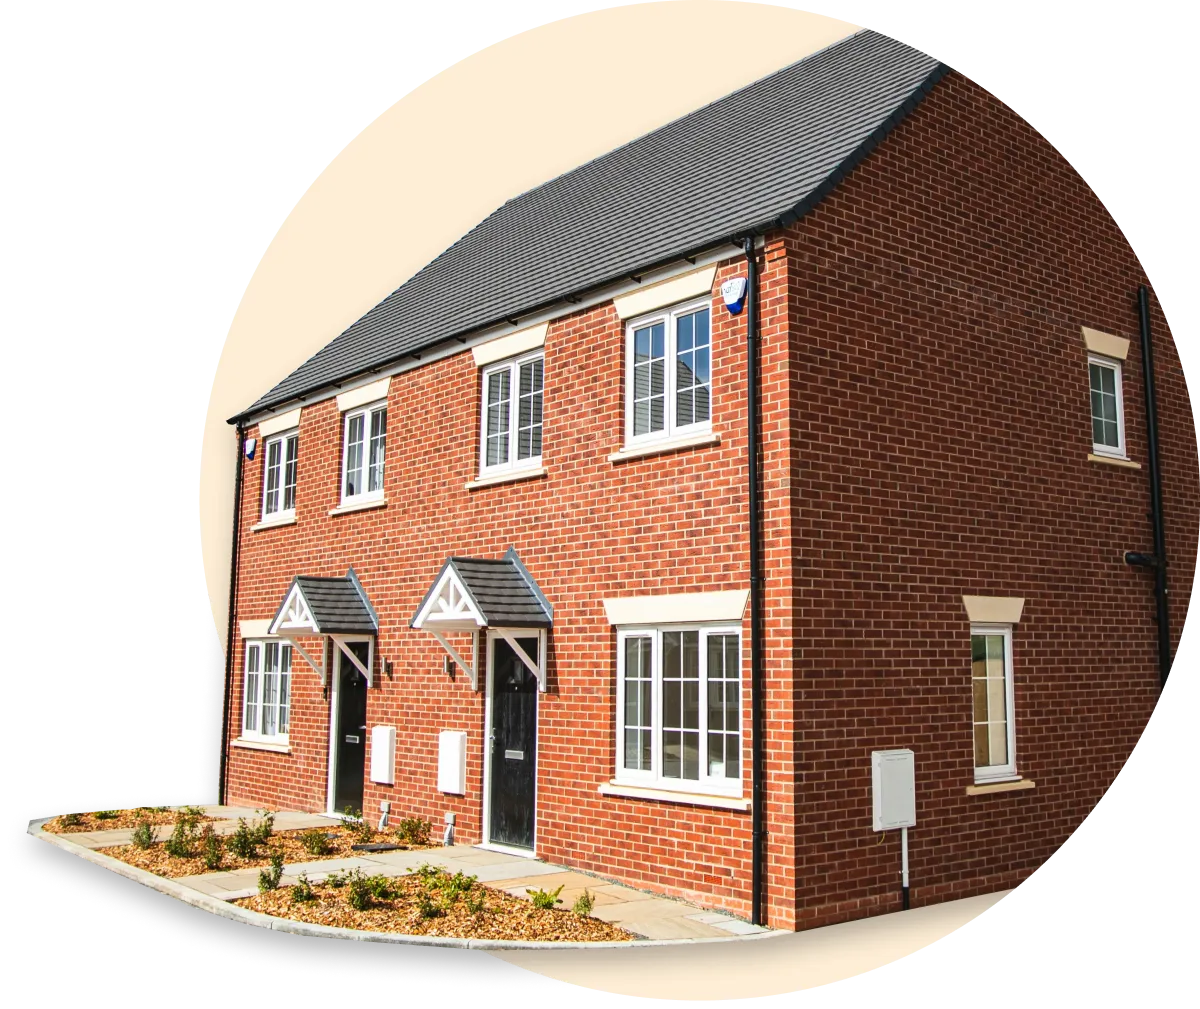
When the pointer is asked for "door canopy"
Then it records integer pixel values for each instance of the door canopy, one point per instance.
(333, 608)
(501, 595)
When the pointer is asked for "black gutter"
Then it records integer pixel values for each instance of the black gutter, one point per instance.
(233, 573)
(1156, 511)
(757, 747)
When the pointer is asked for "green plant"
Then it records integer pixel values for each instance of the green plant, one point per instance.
(193, 814)
(316, 841)
(154, 809)
(268, 879)
(336, 879)
(181, 843)
(414, 830)
(212, 848)
(264, 829)
(427, 906)
(453, 886)
(243, 842)
(107, 814)
(584, 903)
(474, 900)
(364, 890)
(357, 825)
(303, 892)
(545, 899)
(143, 834)
(429, 875)
(71, 819)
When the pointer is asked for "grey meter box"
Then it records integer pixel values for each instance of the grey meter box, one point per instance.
(893, 789)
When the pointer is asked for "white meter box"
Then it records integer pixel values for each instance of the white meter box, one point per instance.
(452, 762)
(893, 789)
(383, 754)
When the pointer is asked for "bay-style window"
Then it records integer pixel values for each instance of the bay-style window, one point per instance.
(1108, 410)
(679, 708)
(279, 477)
(267, 691)
(668, 374)
(511, 435)
(362, 457)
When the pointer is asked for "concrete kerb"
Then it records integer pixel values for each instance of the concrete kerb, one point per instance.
(222, 908)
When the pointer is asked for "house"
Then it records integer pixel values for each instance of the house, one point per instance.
(856, 328)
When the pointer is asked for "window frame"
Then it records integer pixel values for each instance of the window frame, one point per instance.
(283, 698)
(1119, 451)
(512, 365)
(669, 316)
(992, 773)
(367, 412)
(653, 778)
(280, 514)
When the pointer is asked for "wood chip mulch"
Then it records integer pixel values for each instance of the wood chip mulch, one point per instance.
(156, 860)
(503, 916)
(126, 819)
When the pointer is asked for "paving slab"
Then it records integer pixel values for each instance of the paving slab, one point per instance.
(644, 910)
(670, 927)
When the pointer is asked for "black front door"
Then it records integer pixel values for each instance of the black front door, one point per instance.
(351, 738)
(514, 745)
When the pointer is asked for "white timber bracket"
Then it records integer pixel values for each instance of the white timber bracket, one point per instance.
(537, 668)
(318, 667)
(345, 650)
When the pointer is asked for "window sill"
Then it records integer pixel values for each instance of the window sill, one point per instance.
(289, 520)
(345, 508)
(1113, 460)
(258, 744)
(667, 445)
(987, 788)
(667, 795)
(510, 477)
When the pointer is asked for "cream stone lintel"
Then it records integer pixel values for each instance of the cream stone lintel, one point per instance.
(1105, 343)
(280, 422)
(678, 608)
(993, 609)
(690, 285)
(255, 628)
(510, 345)
(1001, 786)
(363, 395)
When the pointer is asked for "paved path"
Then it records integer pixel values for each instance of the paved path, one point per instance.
(646, 914)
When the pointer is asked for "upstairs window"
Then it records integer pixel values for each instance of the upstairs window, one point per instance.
(279, 476)
(511, 437)
(992, 702)
(668, 377)
(1108, 411)
(267, 693)
(362, 463)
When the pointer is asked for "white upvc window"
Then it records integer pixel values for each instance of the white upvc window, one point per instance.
(668, 374)
(280, 459)
(1108, 408)
(679, 713)
(267, 692)
(993, 724)
(362, 457)
(511, 422)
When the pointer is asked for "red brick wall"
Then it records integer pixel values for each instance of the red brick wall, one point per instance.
(942, 428)
(925, 435)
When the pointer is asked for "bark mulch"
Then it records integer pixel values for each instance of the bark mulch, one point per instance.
(501, 916)
(156, 860)
(125, 819)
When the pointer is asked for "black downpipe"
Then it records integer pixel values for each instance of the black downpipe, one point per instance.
(757, 743)
(233, 573)
(1156, 512)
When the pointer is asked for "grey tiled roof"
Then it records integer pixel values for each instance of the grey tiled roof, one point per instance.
(749, 162)
(337, 605)
(503, 591)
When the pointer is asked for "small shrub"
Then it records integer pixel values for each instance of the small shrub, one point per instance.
(316, 842)
(584, 903)
(107, 814)
(192, 814)
(453, 886)
(243, 842)
(336, 879)
(474, 900)
(268, 879)
(212, 848)
(264, 829)
(414, 830)
(181, 843)
(303, 892)
(427, 906)
(357, 825)
(545, 899)
(143, 834)
(71, 819)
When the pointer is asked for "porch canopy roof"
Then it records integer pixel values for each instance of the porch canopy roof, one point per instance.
(334, 608)
(470, 594)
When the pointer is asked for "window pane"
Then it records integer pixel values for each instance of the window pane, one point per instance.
(681, 704)
(722, 707)
(269, 700)
(377, 448)
(981, 746)
(498, 400)
(989, 699)
(271, 504)
(1104, 405)
(354, 455)
(291, 455)
(649, 379)
(529, 413)
(691, 369)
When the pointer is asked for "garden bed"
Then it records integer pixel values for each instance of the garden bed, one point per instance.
(430, 902)
(114, 819)
(290, 843)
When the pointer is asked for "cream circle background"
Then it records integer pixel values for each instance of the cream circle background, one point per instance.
(443, 157)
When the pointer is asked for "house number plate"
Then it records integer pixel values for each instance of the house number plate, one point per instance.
(514, 754)
(352, 739)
